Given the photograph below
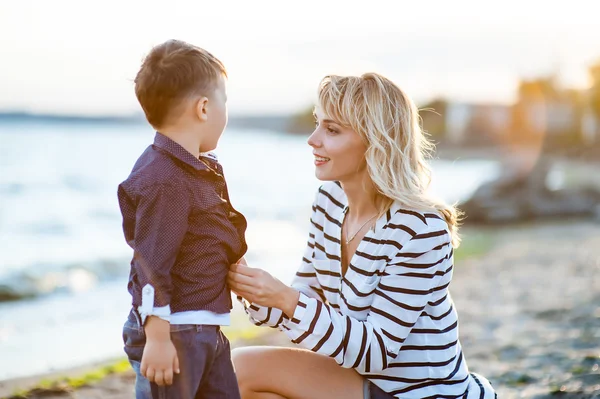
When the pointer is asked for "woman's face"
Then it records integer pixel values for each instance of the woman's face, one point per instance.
(339, 151)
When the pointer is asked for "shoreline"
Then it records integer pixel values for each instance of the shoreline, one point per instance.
(528, 299)
(65, 381)
(21, 384)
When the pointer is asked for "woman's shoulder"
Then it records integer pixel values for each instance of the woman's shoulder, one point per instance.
(332, 188)
(406, 224)
(331, 193)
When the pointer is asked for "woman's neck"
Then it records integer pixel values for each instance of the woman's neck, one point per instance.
(363, 200)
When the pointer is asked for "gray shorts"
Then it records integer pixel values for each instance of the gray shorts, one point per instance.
(372, 391)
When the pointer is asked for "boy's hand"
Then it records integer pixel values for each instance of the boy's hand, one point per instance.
(159, 360)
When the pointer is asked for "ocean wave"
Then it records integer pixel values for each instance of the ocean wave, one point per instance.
(12, 188)
(39, 280)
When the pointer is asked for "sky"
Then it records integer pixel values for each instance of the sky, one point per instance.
(80, 57)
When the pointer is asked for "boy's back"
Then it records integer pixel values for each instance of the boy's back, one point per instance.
(183, 231)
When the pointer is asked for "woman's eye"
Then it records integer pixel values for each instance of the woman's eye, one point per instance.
(332, 131)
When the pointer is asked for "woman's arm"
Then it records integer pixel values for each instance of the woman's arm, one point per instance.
(305, 281)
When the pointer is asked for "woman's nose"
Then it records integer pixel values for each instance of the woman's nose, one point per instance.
(313, 139)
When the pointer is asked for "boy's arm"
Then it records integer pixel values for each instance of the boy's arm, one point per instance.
(159, 360)
(161, 224)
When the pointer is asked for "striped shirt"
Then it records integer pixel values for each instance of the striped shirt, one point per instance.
(390, 317)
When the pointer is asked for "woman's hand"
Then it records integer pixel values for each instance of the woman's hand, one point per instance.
(258, 286)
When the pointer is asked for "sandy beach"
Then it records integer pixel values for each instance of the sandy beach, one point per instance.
(529, 304)
(530, 310)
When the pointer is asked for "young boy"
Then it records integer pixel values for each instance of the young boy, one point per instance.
(183, 230)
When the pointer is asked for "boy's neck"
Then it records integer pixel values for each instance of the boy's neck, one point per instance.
(185, 138)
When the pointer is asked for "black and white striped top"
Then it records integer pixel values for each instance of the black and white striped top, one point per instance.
(390, 317)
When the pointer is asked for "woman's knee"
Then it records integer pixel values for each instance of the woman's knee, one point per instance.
(239, 359)
(243, 360)
(259, 368)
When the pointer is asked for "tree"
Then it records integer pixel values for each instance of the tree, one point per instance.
(433, 115)
(594, 73)
(546, 112)
(303, 122)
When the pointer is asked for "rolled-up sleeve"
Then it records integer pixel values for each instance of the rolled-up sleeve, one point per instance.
(162, 215)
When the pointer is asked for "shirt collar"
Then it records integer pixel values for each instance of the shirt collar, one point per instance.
(170, 146)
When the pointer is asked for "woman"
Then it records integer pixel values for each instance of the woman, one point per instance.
(371, 294)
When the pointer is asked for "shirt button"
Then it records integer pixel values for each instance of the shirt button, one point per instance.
(147, 290)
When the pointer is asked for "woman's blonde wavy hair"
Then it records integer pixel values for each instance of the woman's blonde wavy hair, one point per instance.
(397, 148)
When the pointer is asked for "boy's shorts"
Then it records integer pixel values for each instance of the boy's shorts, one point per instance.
(204, 360)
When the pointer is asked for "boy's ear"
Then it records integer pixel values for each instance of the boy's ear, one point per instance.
(201, 109)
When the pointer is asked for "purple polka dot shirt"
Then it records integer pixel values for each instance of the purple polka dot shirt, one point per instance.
(184, 232)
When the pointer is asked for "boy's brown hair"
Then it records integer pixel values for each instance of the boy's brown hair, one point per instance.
(171, 72)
